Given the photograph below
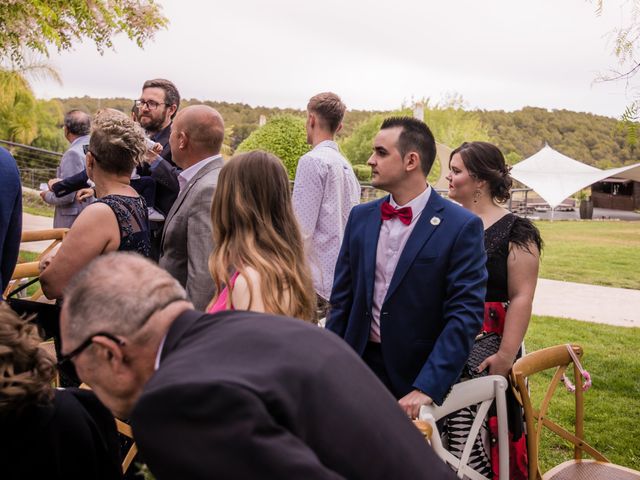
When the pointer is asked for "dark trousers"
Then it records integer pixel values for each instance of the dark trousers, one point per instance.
(372, 356)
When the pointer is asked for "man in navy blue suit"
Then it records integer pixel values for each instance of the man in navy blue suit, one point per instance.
(10, 216)
(409, 285)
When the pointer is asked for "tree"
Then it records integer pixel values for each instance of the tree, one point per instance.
(37, 25)
(626, 42)
(451, 124)
(357, 147)
(18, 120)
(284, 136)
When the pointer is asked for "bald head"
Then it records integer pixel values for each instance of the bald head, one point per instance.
(197, 133)
(77, 123)
(115, 293)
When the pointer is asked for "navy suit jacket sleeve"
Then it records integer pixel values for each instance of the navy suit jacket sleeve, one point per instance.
(167, 187)
(10, 216)
(463, 312)
(342, 291)
(71, 184)
(218, 430)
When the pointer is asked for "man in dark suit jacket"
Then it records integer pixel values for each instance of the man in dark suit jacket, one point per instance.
(410, 279)
(10, 216)
(237, 395)
(155, 110)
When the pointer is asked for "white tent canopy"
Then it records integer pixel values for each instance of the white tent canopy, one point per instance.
(555, 176)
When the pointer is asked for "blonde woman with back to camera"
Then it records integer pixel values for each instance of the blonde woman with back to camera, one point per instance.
(118, 220)
(257, 236)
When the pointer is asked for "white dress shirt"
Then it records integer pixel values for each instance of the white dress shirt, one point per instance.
(393, 237)
(324, 192)
(187, 174)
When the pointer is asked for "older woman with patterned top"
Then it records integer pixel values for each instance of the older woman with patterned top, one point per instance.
(118, 220)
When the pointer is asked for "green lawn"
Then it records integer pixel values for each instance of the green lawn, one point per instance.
(33, 204)
(598, 253)
(23, 257)
(612, 405)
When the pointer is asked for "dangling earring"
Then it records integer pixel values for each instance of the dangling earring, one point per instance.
(476, 195)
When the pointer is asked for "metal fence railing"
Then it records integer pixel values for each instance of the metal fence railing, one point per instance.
(36, 165)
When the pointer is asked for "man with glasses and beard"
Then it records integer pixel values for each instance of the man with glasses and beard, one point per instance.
(156, 109)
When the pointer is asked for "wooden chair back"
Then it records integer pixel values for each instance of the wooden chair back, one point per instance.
(123, 429)
(537, 416)
(30, 269)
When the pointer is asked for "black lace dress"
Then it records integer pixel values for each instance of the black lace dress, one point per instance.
(510, 230)
(133, 221)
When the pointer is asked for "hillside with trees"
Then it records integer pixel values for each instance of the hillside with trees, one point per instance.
(592, 139)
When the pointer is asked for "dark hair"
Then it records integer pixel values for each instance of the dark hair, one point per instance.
(485, 161)
(415, 136)
(171, 94)
(329, 107)
(26, 370)
(77, 122)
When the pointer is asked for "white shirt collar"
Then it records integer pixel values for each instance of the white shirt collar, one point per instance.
(156, 365)
(417, 204)
(188, 173)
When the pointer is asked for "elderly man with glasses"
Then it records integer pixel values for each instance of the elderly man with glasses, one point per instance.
(236, 394)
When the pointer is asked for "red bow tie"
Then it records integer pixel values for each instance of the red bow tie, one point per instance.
(404, 214)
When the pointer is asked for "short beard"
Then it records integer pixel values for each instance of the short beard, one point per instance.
(154, 125)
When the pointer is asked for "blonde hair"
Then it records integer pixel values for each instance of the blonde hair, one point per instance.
(254, 226)
(117, 142)
(26, 369)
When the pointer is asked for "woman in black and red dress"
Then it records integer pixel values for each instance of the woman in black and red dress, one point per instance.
(480, 181)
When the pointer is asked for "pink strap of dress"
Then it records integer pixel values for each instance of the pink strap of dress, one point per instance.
(221, 303)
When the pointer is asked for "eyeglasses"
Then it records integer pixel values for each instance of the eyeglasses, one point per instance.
(84, 345)
(85, 149)
(64, 359)
(150, 104)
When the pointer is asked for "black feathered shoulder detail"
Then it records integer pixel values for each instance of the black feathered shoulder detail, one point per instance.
(524, 233)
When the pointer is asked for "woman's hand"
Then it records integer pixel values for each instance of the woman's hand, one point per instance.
(498, 364)
(85, 194)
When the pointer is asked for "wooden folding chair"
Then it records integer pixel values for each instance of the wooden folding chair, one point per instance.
(478, 391)
(30, 269)
(559, 358)
(125, 429)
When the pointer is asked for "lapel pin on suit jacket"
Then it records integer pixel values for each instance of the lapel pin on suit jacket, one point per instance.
(435, 221)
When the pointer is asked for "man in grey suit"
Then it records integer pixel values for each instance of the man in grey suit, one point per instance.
(77, 125)
(196, 140)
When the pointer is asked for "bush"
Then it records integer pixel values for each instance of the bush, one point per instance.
(363, 173)
(283, 135)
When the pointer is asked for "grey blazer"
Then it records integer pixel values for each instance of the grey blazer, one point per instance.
(67, 207)
(187, 241)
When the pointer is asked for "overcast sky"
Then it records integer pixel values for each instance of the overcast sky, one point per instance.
(498, 54)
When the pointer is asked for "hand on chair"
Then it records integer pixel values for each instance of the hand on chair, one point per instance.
(412, 402)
